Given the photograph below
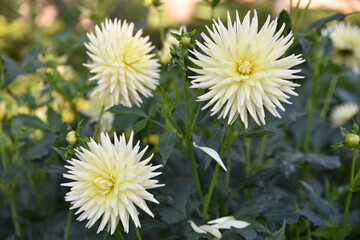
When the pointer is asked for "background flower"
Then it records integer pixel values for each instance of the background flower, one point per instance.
(122, 63)
(93, 110)
(345, 39)
(242, 69)
(343, 113)
(109, 181)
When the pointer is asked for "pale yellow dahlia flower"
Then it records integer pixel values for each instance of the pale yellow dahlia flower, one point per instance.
(109, 180)
(93, 111)
(213, 226)
(123, 65)
(345, 38)
(343, 113)
(242, 69)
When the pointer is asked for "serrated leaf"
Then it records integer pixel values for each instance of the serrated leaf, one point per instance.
(314, 197)
(119, 109)
(41, 148)
(278, 235)
(329, 162)
(11, 71)
(61, 152)
(167, 142)
(30, 61)
(262, 177)
(327, 232)
(140, 125)
(55, 121)
(31, 122)
(344, 132)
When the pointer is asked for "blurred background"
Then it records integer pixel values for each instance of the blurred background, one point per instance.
(27, 23)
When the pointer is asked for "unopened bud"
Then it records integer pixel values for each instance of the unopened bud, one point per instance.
(71, 137)
(148, 3)
(185, 41)
(352, 140)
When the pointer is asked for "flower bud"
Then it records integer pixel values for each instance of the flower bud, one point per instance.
(148, 3)
(352, 140)
(71, 137)
(185, 41)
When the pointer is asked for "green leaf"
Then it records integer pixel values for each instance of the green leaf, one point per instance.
(55, 121)
(5, 141)
(167, 142)
(119, 109)
(344, 132)
(140, 125)
(355, 128)
(314, 197)
(11, 71)
(338, 145)
(61, 152)
(320, 23)
(262, 177)
(10, 172)
(284, 18)
(55, 168)
(278, 235)
(41, 148)
(30, 61)
(31, 122)
(329, 162)
(327, 232)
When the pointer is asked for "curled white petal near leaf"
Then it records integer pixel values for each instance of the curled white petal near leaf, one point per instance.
(196, 228)
(221, 220)
(212, 230)
(228, 222)
(212, 153)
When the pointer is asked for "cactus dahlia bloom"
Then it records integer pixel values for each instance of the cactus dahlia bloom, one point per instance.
(122, 63)
(345, 39)
(343, 113)
(242, 69)
(109, 180)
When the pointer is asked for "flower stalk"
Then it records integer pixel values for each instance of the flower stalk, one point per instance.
(353, 183)
(329, 97)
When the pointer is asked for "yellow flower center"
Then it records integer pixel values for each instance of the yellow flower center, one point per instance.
(244, 67)
(105, 184)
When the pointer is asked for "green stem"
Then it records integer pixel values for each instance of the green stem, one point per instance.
(348, 200)
(14, 213)
(310, 104)
(187, 125)
(195, 172)
(118, 234)
(228, 163)
(301, 17)
(158, 123)
(138, 236)
(161, 27)
(68, 224)
(97, 128)
(261, 153)
(211, 189)
(212, 14)
(291, 9)
(212, 183)
(328, 98)
(248, 157)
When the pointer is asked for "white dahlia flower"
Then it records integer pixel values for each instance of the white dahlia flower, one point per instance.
(220, 223)
(93, 111)
(122, 63)
(343, 113)
(345, 39)
(242, 69)
(109, 180)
